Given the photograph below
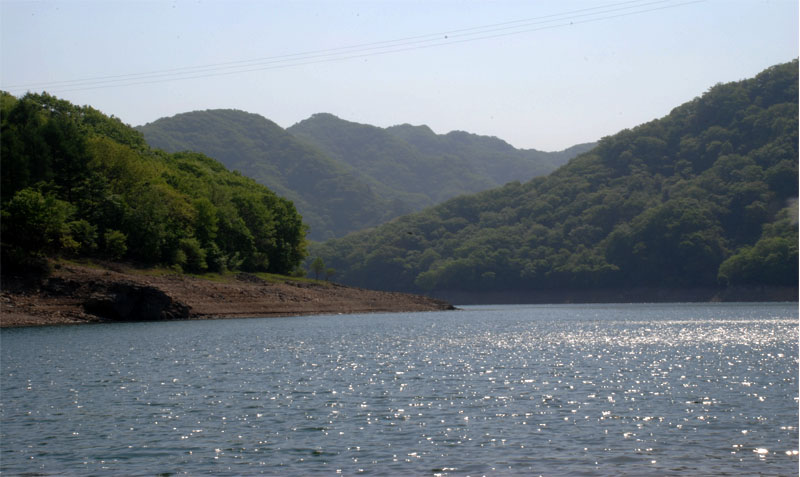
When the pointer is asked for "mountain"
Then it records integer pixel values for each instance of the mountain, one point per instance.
(345, 176)
(704, 197)
(421, 167)
(330, 196)
(487, 156)
(78, 183)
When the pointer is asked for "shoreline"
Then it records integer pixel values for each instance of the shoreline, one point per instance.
(616, 295)
(76, 294)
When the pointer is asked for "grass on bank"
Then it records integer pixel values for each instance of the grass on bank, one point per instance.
(156, 271)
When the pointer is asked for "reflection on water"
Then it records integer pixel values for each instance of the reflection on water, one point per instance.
(627, 389)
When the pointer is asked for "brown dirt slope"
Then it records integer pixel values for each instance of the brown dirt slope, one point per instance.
(80, 294)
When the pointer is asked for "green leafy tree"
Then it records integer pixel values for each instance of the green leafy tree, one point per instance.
(318, 267)
(772, 260)
(78, 182)
(85, 236)
(36, 222)
(115, 244)
(195, 255)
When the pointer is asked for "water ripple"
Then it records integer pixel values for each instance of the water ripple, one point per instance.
(559, 390)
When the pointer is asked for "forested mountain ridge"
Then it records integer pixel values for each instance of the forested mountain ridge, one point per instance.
(422, 167)
(332, 198)
(488, 156)
(704, 197)
(341, 179)
(78, 183)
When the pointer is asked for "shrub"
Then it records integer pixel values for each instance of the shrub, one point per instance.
(115, 244)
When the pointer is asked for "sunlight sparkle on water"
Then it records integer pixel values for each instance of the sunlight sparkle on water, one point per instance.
(609, 389)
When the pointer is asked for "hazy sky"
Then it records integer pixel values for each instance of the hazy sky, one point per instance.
(538, 74)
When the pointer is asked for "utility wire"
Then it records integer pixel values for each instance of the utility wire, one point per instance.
(484, 32)
(355, 51)
(325, 52)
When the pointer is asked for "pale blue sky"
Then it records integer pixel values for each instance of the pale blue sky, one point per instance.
(580, 70)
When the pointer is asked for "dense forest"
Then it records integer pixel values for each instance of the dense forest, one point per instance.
(77, 183)
(704, 197)
(420, 167)
(332, 198)
(344, 176)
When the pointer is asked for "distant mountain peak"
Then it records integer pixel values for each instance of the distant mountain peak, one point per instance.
(423, 128)
(343, 175)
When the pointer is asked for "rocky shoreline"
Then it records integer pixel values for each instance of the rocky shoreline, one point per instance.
(81, 294)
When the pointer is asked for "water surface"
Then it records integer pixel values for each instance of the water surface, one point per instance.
(557, 390)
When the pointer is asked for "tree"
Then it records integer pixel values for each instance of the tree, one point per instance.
(318, 267)
(115, 246)
(36, 222)
(77, 182)
(329, 273)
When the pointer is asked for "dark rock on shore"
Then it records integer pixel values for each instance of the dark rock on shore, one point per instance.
(130, 302)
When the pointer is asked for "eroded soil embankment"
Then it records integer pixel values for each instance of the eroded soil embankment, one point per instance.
(78, 294)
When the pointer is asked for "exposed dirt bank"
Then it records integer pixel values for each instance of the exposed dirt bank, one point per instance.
(79, 294)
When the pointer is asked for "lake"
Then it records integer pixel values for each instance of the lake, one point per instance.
(666, 389)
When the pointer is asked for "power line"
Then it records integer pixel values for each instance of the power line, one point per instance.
(452, 37)
(349, 52)
(324, 52)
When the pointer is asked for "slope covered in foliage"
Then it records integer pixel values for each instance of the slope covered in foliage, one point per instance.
(424, 168)
(344, 176)
(704, 197)
(78, 183)
(332, 198)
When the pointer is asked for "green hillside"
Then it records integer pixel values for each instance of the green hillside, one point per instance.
(704, 197)
(77, 183)
(344, 176)
(332, 199)
(423, 168)
(487, 156)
